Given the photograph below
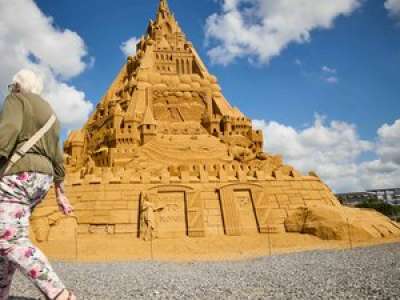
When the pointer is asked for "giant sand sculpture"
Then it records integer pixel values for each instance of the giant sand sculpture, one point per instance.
(165, 158)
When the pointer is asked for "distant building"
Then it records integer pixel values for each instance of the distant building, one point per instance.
(354, 198)
(389, 196)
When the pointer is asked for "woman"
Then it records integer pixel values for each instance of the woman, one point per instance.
(26, 183)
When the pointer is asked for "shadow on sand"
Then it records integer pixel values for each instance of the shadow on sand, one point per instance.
(21, 298)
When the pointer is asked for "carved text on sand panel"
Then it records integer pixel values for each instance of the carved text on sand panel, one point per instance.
(244, 205)
(172, 218)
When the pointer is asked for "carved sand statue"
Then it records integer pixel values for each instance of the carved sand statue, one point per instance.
(90, 165)
(164, 128)
(148, 218)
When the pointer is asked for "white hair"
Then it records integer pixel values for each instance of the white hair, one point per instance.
(28, 81)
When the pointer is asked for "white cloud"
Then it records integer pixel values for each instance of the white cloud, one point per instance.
(331, 79)
(29, 39)
(329, 75)
(377, 174)
(262, 29)
(298, 62)
(328, 70)
(335, 150)
(129, 47)
(393, 6)
(389, 143)
(69, 103)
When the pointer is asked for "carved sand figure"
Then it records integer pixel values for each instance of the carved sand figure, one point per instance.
(165, 125)
(148, 224)
(90, 165)
(26, 176)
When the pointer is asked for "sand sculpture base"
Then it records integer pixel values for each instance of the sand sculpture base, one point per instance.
(127, 248)
(202, 221)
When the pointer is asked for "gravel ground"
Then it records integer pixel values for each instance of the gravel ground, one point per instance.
(368, 273)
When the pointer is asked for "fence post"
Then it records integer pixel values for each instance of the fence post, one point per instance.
(269, 240)
(349, 233)
(151, 245)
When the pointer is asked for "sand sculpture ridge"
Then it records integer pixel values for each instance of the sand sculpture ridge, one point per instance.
(165, 156)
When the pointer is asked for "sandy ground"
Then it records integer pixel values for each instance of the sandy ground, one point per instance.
(362, 273)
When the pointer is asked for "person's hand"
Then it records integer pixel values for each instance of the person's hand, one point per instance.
(64, 205)
(62, 200)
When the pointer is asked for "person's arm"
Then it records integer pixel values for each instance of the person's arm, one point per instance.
(3, 162)
(11, 121)
(62, 200)
(58, 164)
(59, 174)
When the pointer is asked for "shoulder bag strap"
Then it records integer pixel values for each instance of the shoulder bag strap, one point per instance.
(19, 153)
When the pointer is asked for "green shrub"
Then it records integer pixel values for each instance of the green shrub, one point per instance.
(384, 208)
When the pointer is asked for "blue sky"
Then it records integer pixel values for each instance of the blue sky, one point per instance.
(329, 93)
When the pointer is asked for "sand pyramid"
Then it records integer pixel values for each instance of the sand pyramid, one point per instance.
(165, 156)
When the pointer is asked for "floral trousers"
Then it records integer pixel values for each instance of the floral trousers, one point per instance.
(19, 194)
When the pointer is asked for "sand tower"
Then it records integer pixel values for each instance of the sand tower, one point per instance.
(166, 156)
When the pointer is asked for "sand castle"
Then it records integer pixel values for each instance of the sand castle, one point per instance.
(165, 157)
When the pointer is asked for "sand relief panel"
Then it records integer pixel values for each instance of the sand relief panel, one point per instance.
(230, 213)
(162, 215)
(195, 215)
(262, 210)
(243, 210)
(172, 216)
(171, 105)
(244, 204)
